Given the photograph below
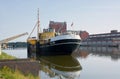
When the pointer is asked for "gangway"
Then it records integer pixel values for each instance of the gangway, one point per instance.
(10, 38)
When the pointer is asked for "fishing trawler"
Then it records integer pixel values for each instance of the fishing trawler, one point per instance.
(63, 44)
(49, 42)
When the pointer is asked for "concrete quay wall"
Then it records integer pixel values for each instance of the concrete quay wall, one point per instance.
(25, 66)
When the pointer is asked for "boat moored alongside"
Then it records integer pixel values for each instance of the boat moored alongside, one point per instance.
(50, 42)
(63, 44)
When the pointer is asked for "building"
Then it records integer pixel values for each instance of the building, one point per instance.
(84, 35)
(58, 26)
(111, 39)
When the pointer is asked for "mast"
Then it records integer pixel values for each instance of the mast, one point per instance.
(38, 27)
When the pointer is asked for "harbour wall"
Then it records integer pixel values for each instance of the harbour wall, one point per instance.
(101, 43)
(25, 66)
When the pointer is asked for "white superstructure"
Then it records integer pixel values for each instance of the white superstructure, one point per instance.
(65, 36)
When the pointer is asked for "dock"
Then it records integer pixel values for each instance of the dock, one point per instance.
(25, 66)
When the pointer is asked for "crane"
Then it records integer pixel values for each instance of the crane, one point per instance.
(11, 38)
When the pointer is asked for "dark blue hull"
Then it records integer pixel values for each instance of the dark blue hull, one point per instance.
(63, 47)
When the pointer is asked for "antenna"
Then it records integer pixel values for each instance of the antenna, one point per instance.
(38, 28)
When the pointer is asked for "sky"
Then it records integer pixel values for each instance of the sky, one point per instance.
(94, 16)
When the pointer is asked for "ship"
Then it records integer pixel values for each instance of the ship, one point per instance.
(62, 67)
(49, 42)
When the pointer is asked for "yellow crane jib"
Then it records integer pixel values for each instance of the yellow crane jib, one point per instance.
(11, 38)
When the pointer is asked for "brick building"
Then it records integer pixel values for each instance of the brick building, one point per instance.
(84, 35)
(58, 26)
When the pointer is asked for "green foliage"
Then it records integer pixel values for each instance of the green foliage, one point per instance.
(7, 73)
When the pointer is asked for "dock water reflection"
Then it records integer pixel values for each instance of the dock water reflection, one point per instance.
(85, 63)
(59, 67)
(99, 62)
(109, 52)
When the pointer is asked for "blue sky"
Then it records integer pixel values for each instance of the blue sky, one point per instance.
(94, 16)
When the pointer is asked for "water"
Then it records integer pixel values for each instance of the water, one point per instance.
(85, 63)
(99, 63)
(56, 67)
(19, 53)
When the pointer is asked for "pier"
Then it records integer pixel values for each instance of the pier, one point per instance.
(25, 66)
